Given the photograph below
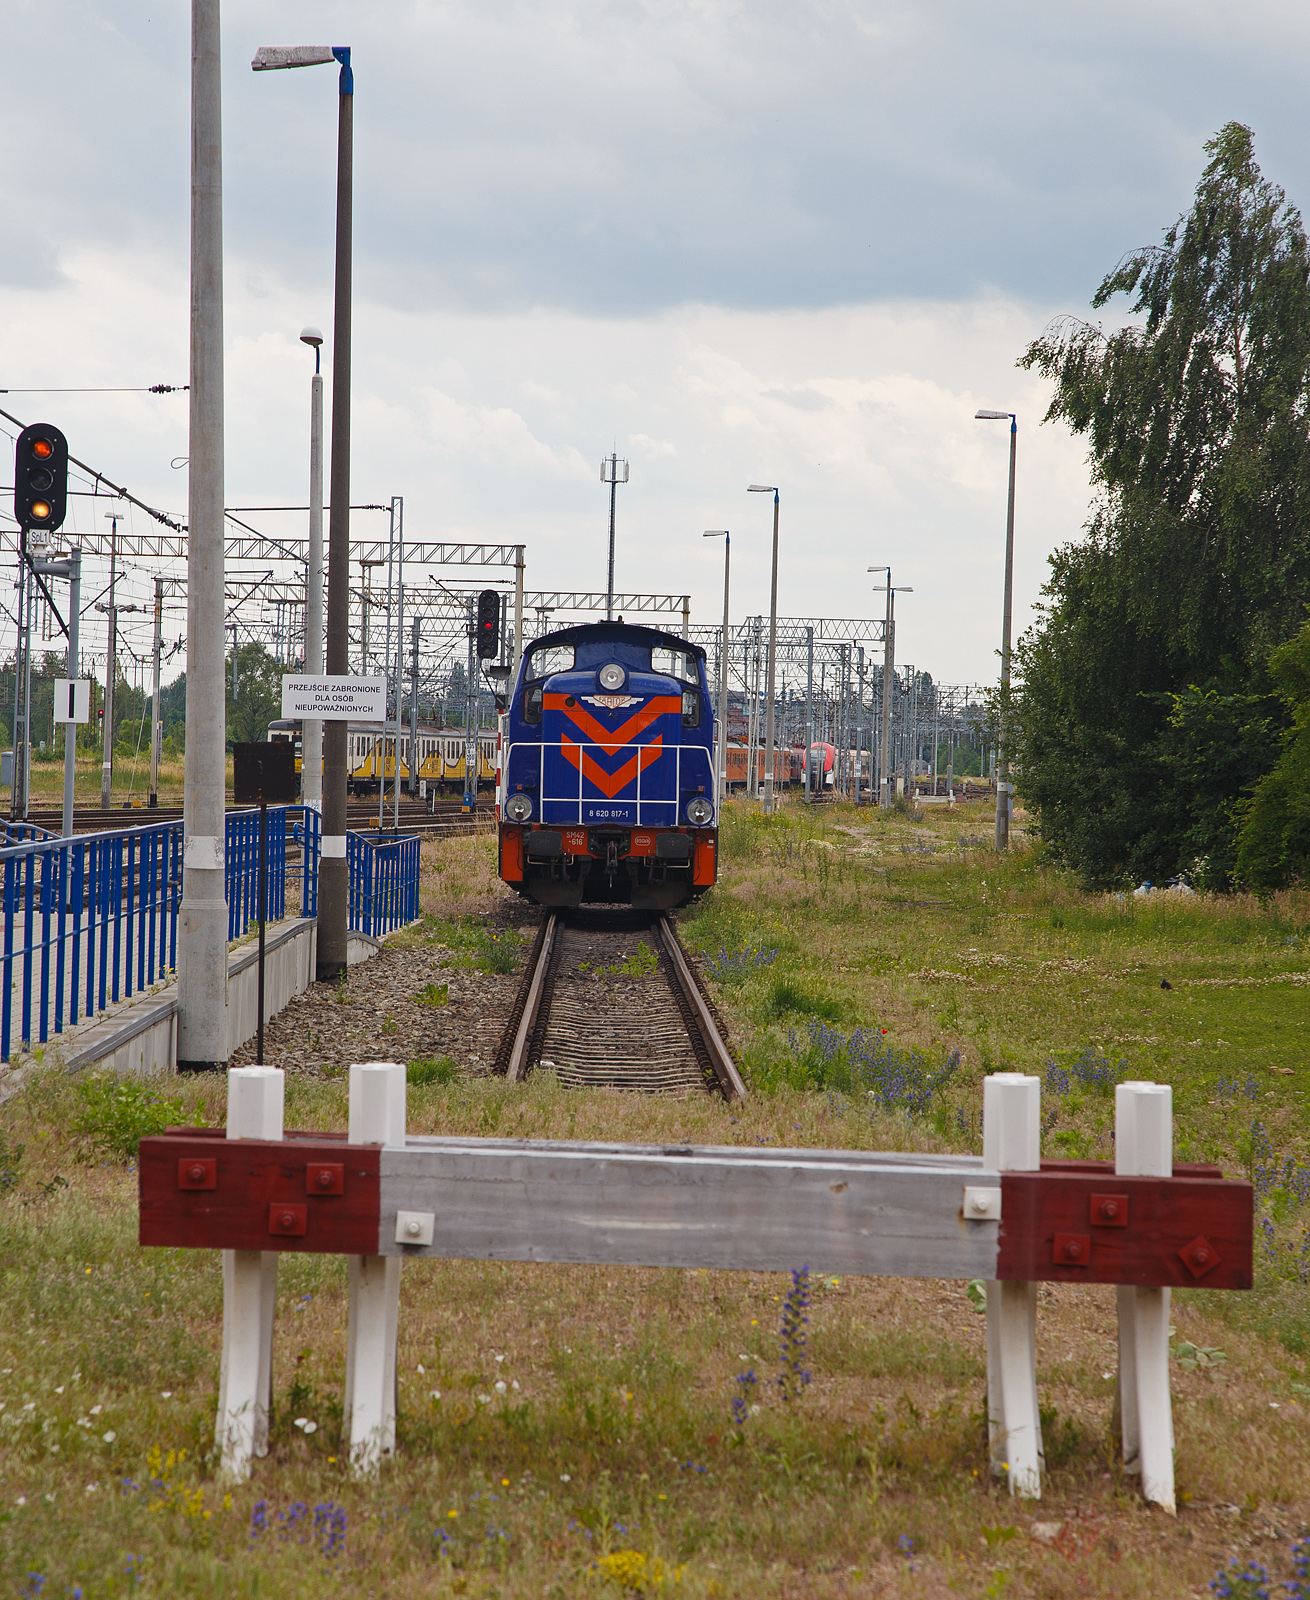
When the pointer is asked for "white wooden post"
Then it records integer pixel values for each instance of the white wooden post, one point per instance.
(1012, 1139)
(1143, 1148)
(377, 1116)
(245, 1387)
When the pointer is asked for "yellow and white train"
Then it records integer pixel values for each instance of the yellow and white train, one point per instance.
(371, 755)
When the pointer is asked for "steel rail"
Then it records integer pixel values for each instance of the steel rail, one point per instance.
(725, 1069)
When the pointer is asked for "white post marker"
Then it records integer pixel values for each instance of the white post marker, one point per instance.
(72, 700)
(1143, 1148)
(377, 1116)
(1012, 1142)
(254, 1111)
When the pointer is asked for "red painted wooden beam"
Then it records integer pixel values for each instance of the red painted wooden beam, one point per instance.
(1095, 1227)
(199, 1190)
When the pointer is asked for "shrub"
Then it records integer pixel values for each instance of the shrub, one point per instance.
(115, 1113)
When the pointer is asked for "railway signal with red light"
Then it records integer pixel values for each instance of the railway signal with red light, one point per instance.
(488, 625)
(40, 477)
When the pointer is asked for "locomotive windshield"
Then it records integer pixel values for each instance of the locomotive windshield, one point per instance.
(674, 663)
(550, 659)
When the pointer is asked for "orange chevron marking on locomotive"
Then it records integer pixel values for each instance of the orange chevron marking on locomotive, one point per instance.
(609, 783)
(659, 705)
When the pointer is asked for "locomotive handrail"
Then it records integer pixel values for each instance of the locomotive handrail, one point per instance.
(675, 750)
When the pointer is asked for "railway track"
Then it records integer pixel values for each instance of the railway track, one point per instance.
(607, 1000)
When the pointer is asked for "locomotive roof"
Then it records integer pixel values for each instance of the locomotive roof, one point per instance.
(585, 632)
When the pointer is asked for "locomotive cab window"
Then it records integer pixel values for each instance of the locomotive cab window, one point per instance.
(674, 663)
(691, 708)
(532, 703)
(550, 659)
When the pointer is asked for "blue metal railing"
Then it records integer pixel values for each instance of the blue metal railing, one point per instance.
(384, 871)
(92, 920)
(23, 832)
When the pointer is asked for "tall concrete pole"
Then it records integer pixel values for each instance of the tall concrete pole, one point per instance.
(413, 712)
(609, 582)
(1004, 788)
(723, 674)
(202, 925)
(888, 684)
(311, 732)
(333, 882)
(111, 672)
(809, 715)
(773, 666)
(15, 769)
(518, 613)
(74, 662)
(156, 727)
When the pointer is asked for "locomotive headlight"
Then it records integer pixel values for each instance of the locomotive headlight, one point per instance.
(612, 676)
(700, 811)
(518, 808)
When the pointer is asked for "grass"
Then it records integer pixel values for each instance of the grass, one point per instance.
(572, 1430)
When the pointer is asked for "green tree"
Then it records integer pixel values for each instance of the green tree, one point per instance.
(1274, 844)
(1157, 626)
(258, 699)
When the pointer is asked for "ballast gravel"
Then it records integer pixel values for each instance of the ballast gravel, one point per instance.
(377, 1015)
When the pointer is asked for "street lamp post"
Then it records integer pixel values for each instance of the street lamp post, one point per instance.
(610, 469)
(311, 730)
(1004, 787)
(769, 488)
(722, 533)
(333, 882)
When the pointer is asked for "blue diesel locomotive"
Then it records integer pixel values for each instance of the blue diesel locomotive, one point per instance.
(606, 786)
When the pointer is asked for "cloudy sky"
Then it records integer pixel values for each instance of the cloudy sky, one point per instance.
(736, 240)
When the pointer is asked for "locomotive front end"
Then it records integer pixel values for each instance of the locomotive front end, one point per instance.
(607, 776)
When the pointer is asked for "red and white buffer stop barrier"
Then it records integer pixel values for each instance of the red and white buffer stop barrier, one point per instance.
(1007, 1217)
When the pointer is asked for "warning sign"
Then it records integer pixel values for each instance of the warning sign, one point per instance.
(334, 699)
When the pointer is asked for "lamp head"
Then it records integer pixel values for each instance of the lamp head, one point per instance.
(715, 533)
(311, 336)
(760, 488)
(277, 57)
(993, 416)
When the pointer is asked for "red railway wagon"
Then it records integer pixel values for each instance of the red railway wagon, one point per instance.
(788, 766)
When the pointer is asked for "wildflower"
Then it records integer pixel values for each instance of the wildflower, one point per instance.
(565, 1478)
(109, 1437)
(1250, 1582)
(793, 1379)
